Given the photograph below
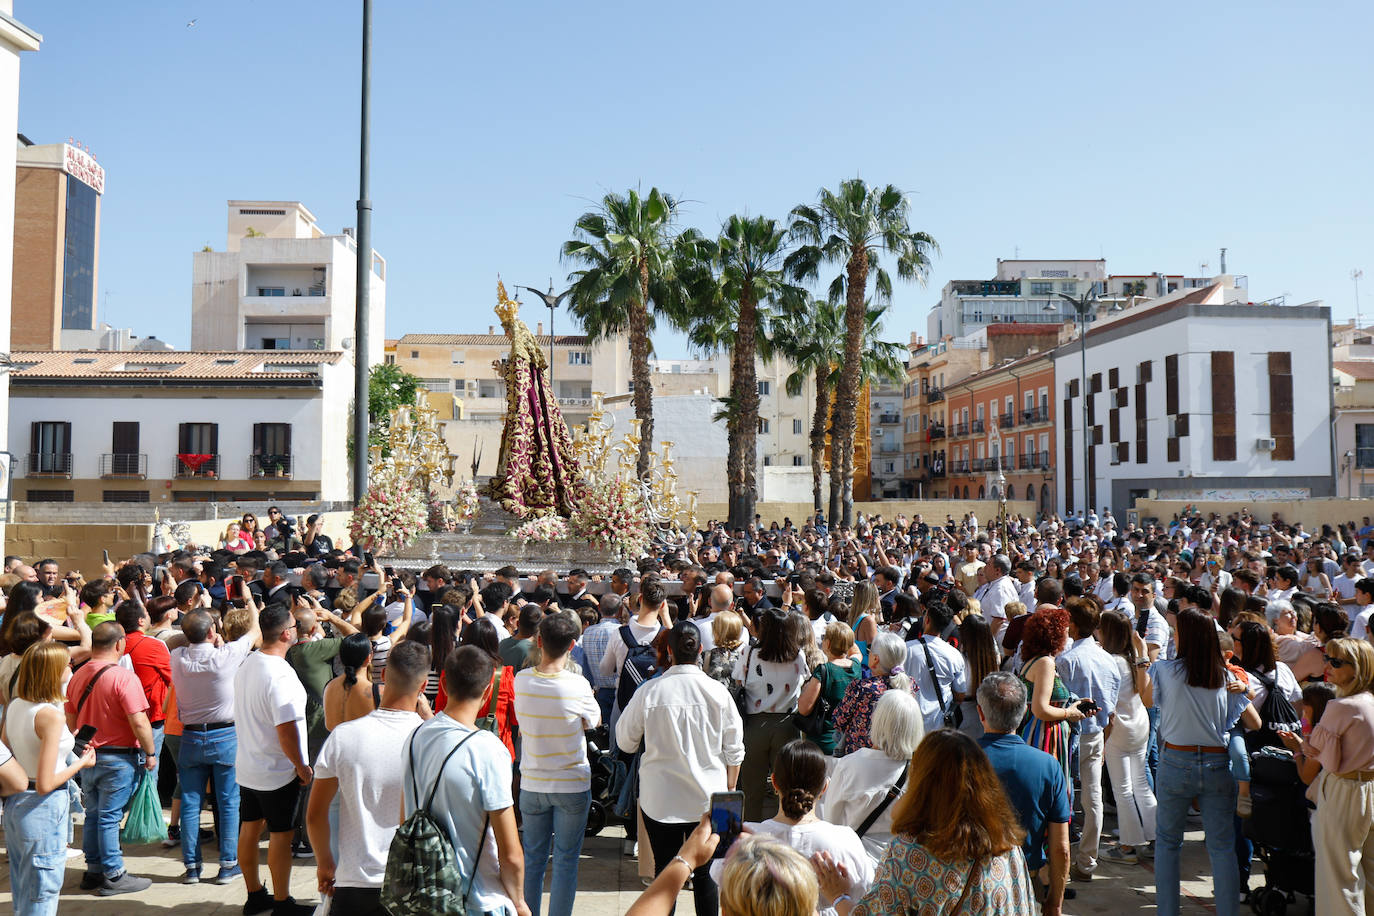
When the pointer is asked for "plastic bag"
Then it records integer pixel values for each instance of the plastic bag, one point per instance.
(324, 907)
(144, 824)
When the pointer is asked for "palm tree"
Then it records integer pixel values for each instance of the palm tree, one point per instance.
(810, 338)
(854, 227)
(731, 310)
(633, 261)
(809, 335)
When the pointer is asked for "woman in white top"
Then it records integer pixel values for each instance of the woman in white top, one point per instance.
(863, 780)
(771, 673)
(1315, 581)
(1127, 738)
(36, 819)
(799, 778)
(1258, 658)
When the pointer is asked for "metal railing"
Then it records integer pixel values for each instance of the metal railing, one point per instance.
(1006, 421)
(265, 466)
(190, 466)
(935, 394)
(48, 464)
(958, 467)
(123, 464)
(889, 419)
(937, 432)
(978, 426)
(889, 448)
(1035, 415)
(961, 429)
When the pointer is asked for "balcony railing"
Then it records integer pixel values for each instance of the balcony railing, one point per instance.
(1008, 462)
(48, 464)
(987, 287)
(889, 419)
(1034, 461)
(937, 432)
(958, 467)
(1035, 415)
(960, 429)
(935, 394)
(264, 466)
(889, 448)
(978, 426)
(124, 464)
(978, 465)
(1005, 421)
(196, 465)
(937, 469)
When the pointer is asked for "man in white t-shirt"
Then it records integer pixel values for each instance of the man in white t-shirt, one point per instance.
(358, 764)
(472, 792)
(644, 626)
(558, 707)
(1362, 609)
(1000, 590)
(270, 762)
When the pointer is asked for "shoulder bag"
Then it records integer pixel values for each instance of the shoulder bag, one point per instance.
(885, 803)
(740, 695)
(949, 716)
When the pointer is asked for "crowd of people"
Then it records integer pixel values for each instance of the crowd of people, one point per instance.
(920, 717)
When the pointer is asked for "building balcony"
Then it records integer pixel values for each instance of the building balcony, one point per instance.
(575, 402)
(978, 465)
(958, 467)
(960, 429)
(1006, 421)
(934, 394)
(269, 466)
(978, 426)
(192, 465)
(889, 448)
(937, 469)
(123, 465)
(937, 432)
(48, 464)
(1035, 461)
(889, 419)
(986, 287)
(1035, 415)
(1007, 463)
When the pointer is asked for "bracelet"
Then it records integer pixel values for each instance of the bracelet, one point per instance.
(683, 861)
(836, 901)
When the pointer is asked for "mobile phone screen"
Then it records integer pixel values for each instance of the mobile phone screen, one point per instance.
(83, 738)
(727, 819)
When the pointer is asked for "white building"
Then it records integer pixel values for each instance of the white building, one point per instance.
(180, 426)
(1198, 397)
(1029, 292)
(282, 284)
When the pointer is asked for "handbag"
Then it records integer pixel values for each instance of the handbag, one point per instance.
(816, 723)
(737, 691)
(951, 717)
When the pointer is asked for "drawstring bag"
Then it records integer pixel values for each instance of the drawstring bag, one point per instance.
(144, 824)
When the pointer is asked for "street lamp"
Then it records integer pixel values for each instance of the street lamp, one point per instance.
(1084, 308)
(1001, 484)
(1348, 461)
(363, 292)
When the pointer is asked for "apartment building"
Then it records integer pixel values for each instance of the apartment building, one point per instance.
(930, 369)
(889, 440)
(179, 426)
(282, 283)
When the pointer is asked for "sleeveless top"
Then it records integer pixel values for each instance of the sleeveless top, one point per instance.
(19, 716)
(861, 643)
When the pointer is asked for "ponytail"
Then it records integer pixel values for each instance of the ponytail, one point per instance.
(898, 680)
(354, 653)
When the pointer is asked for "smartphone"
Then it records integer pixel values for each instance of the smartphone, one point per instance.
(1087, 707)
(235, 591)
(367, 558)
(106, 555)
(727, 819)
(82, 739)
(390, 573)
(396, 583)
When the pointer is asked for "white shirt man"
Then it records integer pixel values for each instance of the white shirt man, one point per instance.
(999, 591)
(951, 672)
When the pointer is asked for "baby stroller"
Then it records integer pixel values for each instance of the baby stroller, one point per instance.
(1280, 830)
(608, 775)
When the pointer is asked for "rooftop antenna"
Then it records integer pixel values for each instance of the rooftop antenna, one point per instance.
(1355, 276)
(1223, 260)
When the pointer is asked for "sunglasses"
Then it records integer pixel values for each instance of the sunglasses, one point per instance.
(1335, 662)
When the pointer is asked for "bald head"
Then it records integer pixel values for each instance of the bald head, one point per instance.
(725, 577)
(26, 573)
(722, 598)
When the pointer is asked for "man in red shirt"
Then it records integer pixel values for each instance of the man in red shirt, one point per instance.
(152, 662)
(109, 697)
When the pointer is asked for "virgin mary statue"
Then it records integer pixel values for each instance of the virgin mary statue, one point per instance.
(536, 471)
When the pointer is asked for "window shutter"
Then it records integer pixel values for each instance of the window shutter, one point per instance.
(1223, 405)
(1140, 423)
(1171, 385)
(1281, 405)
(183, 438)
(34, 438)
(257, 438)
(214, 438)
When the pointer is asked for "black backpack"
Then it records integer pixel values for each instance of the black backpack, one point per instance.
(641, 663)
(1275, 713)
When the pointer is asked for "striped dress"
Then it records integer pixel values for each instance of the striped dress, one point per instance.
(1051, 737)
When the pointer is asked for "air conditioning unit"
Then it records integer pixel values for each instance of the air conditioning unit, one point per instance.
(1264, 445)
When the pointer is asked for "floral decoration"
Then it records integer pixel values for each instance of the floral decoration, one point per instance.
(389, 517)
(612, 516)
(466, 498)
(545, 529)
(441, 514)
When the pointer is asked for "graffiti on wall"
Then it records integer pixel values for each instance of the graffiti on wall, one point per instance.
(1237, 494)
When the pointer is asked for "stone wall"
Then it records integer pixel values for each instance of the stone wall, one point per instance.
(933, 511)
(1313, 513)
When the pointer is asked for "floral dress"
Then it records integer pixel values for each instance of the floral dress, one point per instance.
(854, 715)
(1051, 737)
(910, 880)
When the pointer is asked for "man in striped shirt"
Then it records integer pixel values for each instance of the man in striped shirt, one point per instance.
(555, 706)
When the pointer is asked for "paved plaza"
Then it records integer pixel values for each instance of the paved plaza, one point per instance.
(608, 884)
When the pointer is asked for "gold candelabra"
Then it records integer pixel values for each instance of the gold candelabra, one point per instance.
(416, 452)
(603, 458)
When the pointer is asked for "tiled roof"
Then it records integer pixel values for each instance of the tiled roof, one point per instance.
(1356, 368)
(489, 340)
(171, 364)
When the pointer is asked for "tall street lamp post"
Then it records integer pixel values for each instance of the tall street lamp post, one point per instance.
(363, 293)
(1084, 308)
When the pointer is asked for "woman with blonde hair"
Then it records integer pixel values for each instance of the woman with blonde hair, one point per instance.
(36, 819)
(1338, 760)
(864, 612)
(829, 682)
(234, 540)
(956, 846)
(728, 632)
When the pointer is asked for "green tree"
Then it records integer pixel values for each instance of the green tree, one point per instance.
(388, 387)
(854, 227)
(634, 262)
(732, 309)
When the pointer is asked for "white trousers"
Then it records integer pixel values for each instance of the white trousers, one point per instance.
(1135, 800)
(1090, 790)
(1343, 832)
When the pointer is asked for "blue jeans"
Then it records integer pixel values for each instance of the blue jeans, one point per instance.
(206, 756)
(36, 834)
(1152, 747)
(557, 819)
(1183, 776)
(106, 790)
(605, 698)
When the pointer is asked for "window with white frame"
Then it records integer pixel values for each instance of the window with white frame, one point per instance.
(763, 425)
(797, 427)
(579, 358)
(764, 388)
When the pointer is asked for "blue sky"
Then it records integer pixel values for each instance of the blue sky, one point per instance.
(1149, 134)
